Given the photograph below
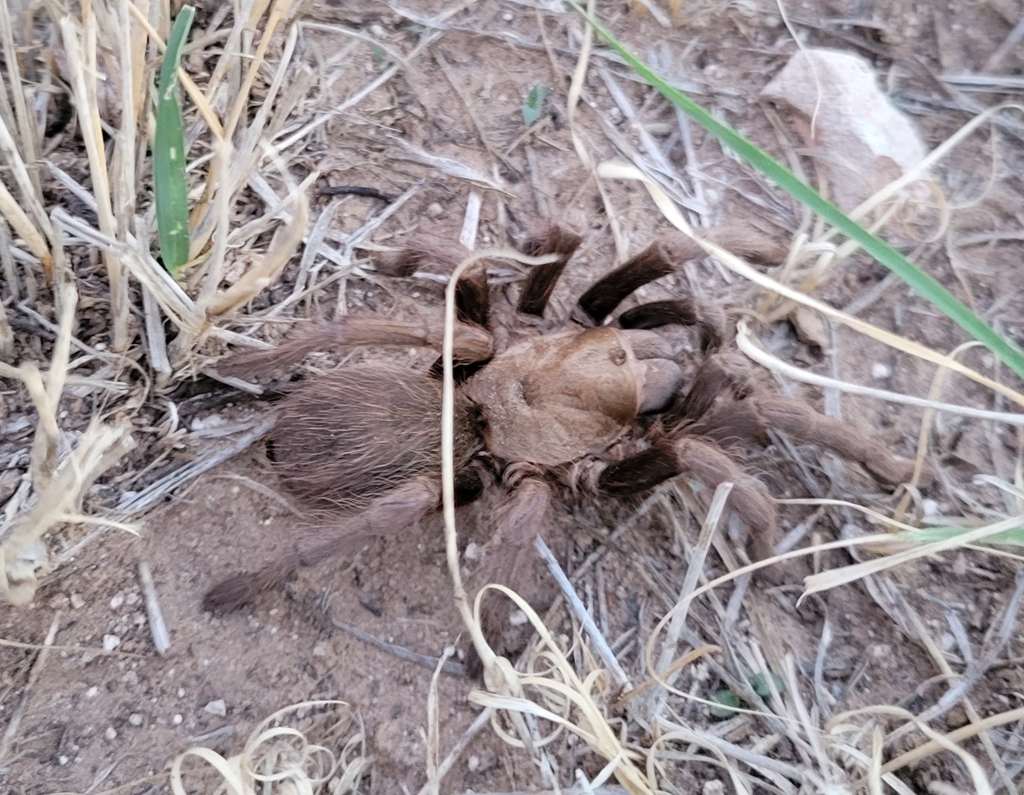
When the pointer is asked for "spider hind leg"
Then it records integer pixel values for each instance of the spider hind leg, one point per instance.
(388, 514)
(526, 514)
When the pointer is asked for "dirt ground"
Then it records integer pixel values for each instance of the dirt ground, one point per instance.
(96, 720)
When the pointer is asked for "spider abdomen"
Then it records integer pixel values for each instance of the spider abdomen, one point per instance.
(353, 434)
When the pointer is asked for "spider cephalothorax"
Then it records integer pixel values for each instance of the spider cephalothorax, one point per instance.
(607, 408)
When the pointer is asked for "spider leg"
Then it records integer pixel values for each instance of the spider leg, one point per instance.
(386, 515)
(542, 279)
(473, 298)
(472, 343)
(708, 463)
(716, 375)
(749, 417)
(755, 415)
(606, 293)
(660, 259)
(527, 513)
(683, 312)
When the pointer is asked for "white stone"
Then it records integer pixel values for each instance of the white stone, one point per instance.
(218, 708)
(880, 371)
(867, 143)
(77, 602)
(111, 733)
(176, 720)
(135, 719)
(111, 642)
(117, 601)
(92, 691)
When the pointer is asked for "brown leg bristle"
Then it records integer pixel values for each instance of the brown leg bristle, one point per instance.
(684, 312)
(749, 498)
(241, 589)
(473, 299)
(806, 425)
(607, 293)
(542, 278)
(518, 522)
(640, 472)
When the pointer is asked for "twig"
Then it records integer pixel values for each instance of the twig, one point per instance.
(587, 620)
(448, 667)
(157, 627)
(478, 723)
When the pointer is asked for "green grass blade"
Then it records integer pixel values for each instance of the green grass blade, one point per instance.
(169, 185)
(931, 534)
(926, 285)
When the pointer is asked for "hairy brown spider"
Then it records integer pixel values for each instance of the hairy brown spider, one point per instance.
(601, 408)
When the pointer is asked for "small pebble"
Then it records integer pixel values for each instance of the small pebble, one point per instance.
(111, 733)
(435, 210)
(135, 719)
(77, 602)
(111, 642)
(473, 763)
(92, 691)
(930, 508)
(132, 598)
(62, 760)
(117, 601)
(176, 720)
(320, 650)
(507, 16)
(472, 551)
(518, 618)
(218, 708)
(880, 371)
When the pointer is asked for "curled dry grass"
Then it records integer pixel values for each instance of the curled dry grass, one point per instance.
(277, 757)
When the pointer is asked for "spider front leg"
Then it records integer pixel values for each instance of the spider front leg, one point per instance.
(806, 426)
(751, 412)
(710, 465)
(661, 259)
(385, 515)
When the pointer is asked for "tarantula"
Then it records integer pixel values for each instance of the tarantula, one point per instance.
(604, 408)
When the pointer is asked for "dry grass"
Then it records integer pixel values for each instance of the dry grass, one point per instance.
(261, 254)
